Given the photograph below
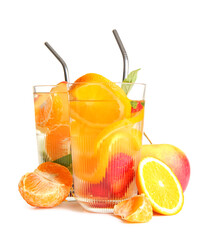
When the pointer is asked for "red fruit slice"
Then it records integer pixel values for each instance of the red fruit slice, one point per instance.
(120, 174)
(136, 106)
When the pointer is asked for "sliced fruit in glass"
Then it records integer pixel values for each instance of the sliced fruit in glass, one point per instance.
(105, 141)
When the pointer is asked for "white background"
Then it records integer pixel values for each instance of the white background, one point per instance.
(169, 40)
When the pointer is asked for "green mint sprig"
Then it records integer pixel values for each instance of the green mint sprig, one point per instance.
(134, 104)
(131, 78)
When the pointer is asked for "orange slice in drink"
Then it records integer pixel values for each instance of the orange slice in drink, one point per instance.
(98, 102)
(47, 186)
(118, 137)
(58, 141)
(160, 185)
(136, 209)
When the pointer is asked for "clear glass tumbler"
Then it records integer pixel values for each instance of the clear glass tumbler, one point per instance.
(106, 128)
(52, 125)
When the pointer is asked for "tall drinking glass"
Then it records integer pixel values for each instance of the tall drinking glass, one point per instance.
(106, 138)
(52, 125)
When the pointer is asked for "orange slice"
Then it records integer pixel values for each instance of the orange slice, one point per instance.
(98, 102)
(47, 186)
(136, 209)
(58, 141)
(118, 137)
(160, 185)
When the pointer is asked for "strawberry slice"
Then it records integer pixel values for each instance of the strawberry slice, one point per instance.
(99, 190)
(136, 106)
(120, 173)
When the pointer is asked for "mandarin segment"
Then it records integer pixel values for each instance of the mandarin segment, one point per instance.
(57, 111)
(58, 141)
(61, 91)
(43, 107)
(48, 110)
(137, 209)
(52, 108)
(47, 186)
(57, 172)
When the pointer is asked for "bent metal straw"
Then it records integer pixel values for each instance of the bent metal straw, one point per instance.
(125, 62)
(65, 68)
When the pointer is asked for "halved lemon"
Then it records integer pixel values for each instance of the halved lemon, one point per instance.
(98, 102)
(160, 185)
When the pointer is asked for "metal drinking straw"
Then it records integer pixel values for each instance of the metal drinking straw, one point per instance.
(65, 68)
(125, 62)
(124, 54)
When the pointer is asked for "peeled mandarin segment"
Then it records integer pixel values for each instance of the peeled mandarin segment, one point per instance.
(57, 111)
(58, 173)
(96, 94)
(57, 142)
(48, 110)
(61, 91)
(160, 185)
(47, 186)
(43, 107)
(135, 209)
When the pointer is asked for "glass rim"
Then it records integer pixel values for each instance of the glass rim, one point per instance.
(69, 85)
(48, 91)
(45, 85)
(141, 84)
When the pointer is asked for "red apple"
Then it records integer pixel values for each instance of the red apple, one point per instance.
(173, 157)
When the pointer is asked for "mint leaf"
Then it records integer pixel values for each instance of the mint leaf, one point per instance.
(134, 104)
(65, 161)
(142, 103)
(131, 78)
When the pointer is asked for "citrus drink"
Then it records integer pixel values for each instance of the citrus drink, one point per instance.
(105, 142)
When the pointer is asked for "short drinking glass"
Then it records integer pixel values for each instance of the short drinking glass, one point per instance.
(106, 137)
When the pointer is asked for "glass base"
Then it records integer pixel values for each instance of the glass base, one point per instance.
(70, 199)
(98, 205)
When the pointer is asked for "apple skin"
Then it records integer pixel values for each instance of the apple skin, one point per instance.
(173, 157)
